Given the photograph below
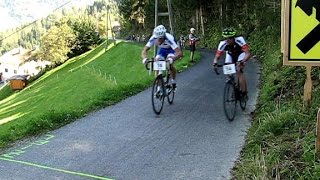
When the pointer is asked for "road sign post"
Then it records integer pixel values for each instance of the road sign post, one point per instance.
(307, 87)
(301, 37)
(318, 134)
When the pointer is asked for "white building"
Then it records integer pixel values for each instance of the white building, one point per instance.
(11, 64)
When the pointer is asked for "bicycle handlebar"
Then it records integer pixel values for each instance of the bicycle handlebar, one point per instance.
(220, 65)
(216, 68)
(146, 64)
(151, 61)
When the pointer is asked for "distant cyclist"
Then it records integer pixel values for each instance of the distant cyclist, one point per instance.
(167, 49)
(237, 50)
(192, 42)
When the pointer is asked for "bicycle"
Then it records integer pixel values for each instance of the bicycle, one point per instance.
(232, 93)
(161, 87)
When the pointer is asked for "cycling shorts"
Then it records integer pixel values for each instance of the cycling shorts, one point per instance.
(163, 53)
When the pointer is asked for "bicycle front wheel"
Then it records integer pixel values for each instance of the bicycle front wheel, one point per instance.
(158, 94)
(229, 101)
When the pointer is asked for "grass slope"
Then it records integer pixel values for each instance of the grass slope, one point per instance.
(281, 142)
(83, 84)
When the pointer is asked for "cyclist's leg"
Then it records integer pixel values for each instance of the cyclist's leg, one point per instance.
(241, 76)
(172, 69)
(160, 56)
(192, 49)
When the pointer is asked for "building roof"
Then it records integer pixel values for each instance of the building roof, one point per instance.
(13, 57)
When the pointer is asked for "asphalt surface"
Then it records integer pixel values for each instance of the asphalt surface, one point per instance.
(190, 139)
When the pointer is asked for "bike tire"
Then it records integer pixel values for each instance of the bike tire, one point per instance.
(229, 101)
(158, 94)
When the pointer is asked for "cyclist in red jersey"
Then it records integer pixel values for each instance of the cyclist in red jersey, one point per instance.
(237, 50)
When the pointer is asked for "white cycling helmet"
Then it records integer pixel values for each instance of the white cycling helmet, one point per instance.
(192, 30)
(159, 31)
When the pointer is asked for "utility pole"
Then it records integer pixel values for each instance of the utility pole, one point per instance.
(107, 29)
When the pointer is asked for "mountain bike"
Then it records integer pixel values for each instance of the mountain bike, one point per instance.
(161, 88)
(232, 93)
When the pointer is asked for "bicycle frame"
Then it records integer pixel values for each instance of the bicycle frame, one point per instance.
(160, 66)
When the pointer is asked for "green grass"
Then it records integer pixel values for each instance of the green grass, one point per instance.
(83, 84)
(280, 143)
(5, 91)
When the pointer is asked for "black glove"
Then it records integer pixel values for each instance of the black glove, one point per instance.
(215, 65)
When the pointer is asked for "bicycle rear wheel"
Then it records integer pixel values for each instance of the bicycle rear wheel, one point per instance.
(158, 94)
(229, 101)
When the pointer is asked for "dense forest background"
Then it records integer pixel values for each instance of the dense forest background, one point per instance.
(207, 17)
(80, 29)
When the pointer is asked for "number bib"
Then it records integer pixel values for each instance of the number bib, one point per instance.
(159, 65)
(229, 69)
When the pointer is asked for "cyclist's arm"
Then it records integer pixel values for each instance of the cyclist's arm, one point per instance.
(150, 43)
(144, 53)
(178, 53)
(245, 48)
(174, 46)
(216, 57)
(247, 55)
(219, 52)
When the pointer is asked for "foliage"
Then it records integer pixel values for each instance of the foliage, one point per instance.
(5, 91)
(280, 143)
(57, 43)
(86, 35)
(244, 15)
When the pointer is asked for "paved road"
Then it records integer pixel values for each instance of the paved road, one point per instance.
(191, 139)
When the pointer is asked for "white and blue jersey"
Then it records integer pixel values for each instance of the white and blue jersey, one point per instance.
(166, 48)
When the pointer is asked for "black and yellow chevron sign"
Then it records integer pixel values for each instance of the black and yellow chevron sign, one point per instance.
(304, 40)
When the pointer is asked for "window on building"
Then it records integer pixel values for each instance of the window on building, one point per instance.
(15, 71)
(5, 70)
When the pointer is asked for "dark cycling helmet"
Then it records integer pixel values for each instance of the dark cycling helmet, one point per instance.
(228, 32)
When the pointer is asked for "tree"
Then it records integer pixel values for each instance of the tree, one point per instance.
(134, 11)
(86, 36)
(56, 44)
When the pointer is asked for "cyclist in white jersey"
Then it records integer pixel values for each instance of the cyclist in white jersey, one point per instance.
(237, 50)
(167, 49)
